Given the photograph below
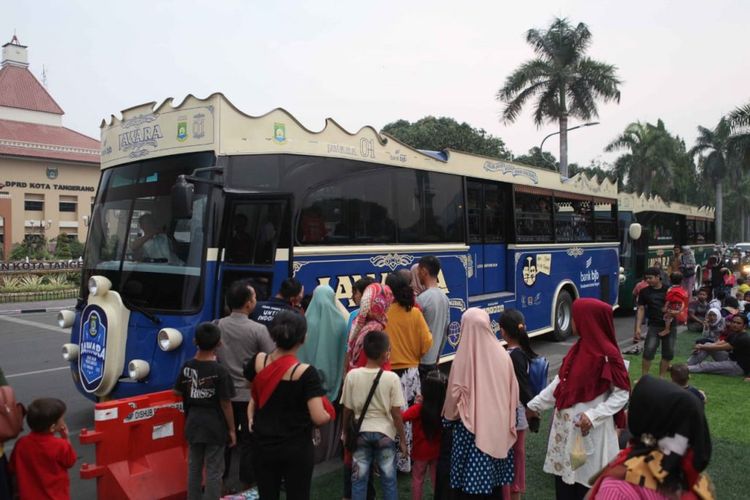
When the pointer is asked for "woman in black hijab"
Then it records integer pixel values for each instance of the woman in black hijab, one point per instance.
(669, 450)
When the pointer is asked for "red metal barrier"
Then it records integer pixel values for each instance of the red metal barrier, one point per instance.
(141, 452)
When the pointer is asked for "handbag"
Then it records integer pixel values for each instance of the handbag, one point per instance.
(11, 414)
(352, 428)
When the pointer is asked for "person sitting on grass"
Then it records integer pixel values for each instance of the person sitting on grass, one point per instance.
(681, 376)
(731, 356)
(697, 310)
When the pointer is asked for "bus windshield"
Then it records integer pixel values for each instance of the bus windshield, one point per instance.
(152, 257)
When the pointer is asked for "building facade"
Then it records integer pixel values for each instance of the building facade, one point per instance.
(48, 173)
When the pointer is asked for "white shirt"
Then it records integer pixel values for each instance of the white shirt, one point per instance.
(601, 443)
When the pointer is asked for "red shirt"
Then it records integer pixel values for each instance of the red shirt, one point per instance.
(40, 462)
(423, 448)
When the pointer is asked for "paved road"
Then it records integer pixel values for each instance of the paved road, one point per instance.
(30, 357)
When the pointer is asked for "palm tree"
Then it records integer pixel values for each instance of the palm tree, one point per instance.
(651, 153)
(564, 81)
(716, 144)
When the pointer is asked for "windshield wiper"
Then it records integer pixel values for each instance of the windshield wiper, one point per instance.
(130, 305)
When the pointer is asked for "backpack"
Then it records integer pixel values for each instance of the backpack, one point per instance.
(538, 373)
(11, 414)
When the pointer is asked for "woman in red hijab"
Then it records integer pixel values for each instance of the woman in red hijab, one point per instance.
(591, 388)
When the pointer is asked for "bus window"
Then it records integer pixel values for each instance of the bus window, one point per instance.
(353, 210)
(474, 205)
(533, 217)
(494, 214)
(573, 220)
(430, 207)
(254, 232)
(605, 221)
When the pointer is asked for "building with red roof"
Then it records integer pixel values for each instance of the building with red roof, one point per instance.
(48, 173)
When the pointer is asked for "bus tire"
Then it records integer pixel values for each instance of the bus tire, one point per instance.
(563, 316)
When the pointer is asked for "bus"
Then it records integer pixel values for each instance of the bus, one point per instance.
(650, 228)
(232, 196)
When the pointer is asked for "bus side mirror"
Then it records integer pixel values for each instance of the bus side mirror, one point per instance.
(182, 198)
(634, 231)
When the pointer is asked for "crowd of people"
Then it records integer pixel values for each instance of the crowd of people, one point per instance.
(287, 384)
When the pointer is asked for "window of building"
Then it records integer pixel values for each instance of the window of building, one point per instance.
(68, 204)
(33, 202)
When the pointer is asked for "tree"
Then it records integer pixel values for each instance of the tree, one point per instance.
(600, 170)
(565, 82)
(651, 153)
(538, 158)
(715, 145)
(436, 134)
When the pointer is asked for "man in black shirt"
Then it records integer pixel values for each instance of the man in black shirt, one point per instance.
(289, 296)
(651, 301)
(738, 345)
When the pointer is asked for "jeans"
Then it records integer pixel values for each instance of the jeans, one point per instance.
(213, 456)
(653, 340)
(374, 446)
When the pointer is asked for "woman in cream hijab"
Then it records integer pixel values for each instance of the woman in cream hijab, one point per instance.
(480, 406)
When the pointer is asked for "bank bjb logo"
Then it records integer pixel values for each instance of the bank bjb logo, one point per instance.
(182, 128)
(529, 271)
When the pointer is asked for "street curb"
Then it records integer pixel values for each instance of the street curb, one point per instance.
(13, 312)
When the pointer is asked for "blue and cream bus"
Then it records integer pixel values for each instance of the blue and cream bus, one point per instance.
(650, 228)
(226, 196)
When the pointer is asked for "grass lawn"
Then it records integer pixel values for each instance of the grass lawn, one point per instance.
(727, 410)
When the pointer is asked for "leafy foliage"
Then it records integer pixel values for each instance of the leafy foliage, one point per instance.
(563, 81)
(436, 134)
(538, 158)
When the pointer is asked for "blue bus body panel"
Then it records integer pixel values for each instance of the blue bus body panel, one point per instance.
(340, 272)
(540, 272)
(486, 268)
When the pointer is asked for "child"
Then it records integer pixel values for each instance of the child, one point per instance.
(427, 425)
(681, 376)
(40, 460)
(513, 330)
(676, 302)
(382, 421)
(206, 389)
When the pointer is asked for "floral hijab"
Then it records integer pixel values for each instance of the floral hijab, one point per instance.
(373, 311)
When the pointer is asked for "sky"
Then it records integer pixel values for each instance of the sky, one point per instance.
(371, 63)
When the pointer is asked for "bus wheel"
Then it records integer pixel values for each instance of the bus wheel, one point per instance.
(563, 316)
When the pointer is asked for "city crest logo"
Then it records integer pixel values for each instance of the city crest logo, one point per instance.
(52, 173)
(279, 133)
(182, 129)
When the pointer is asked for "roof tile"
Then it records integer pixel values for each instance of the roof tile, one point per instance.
(19, 88)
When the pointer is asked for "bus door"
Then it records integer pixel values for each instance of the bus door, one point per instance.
(255, 243)
(487, 211)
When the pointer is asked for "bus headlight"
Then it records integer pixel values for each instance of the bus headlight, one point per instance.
(65, 318)
(169, 339)
(138, 369)
(70, 352)
(99, 286)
